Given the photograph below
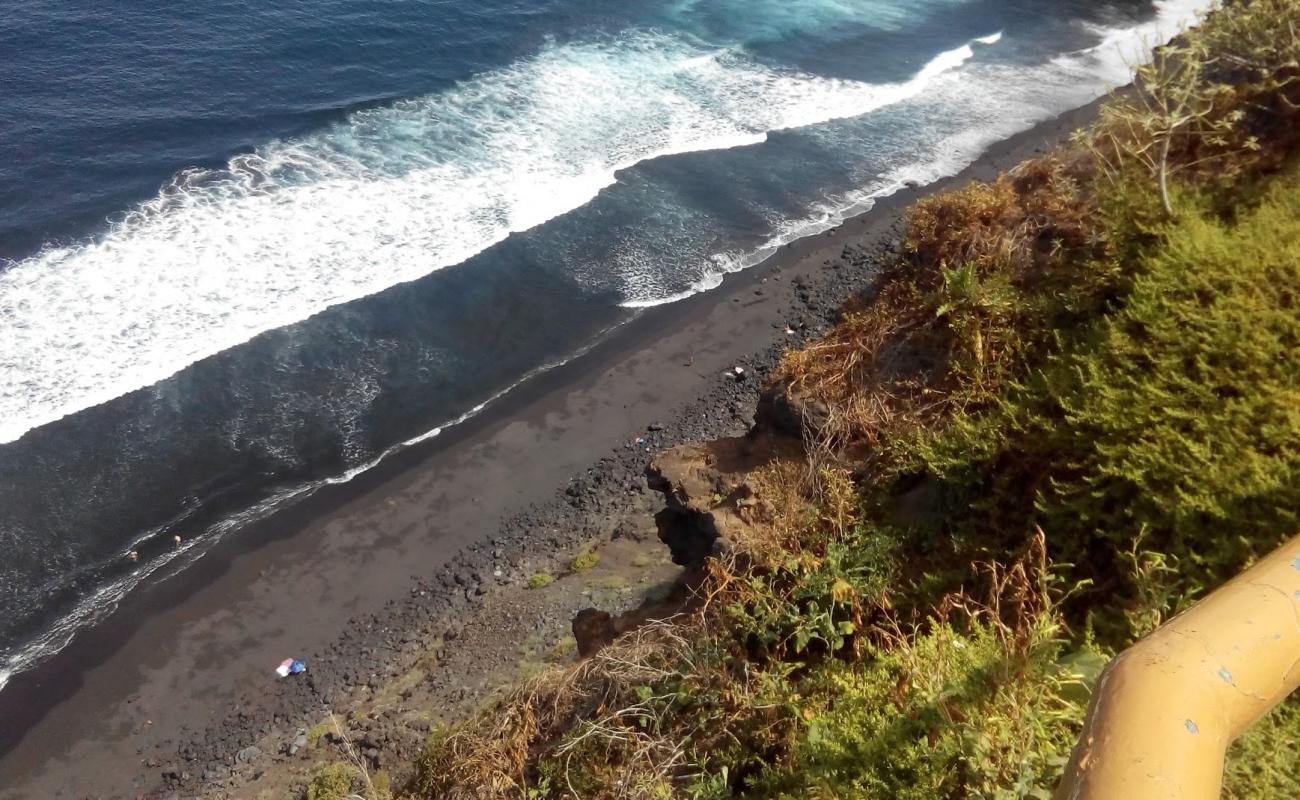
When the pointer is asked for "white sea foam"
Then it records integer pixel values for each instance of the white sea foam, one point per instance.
(388, 196)
(393, 194)
(976, 107)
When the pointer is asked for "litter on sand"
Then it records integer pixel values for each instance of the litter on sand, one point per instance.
(290, 666)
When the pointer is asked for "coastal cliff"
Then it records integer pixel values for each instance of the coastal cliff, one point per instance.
(1065, 409)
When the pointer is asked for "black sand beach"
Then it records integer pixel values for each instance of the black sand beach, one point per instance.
(180, 677)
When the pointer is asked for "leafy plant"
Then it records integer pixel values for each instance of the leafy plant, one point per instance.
(333, 782)
(587, 559)
(539, 580)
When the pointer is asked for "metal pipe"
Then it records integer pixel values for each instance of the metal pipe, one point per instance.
(1164, 711)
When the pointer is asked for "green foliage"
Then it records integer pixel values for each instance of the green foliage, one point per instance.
(809, 597)
(1159, 592)
(1059, 352)
(976, 309)
(585, 560)
(332, 782)
(540, 580)
(1262, 764)
(318, 730)
(1177, 417)
(382, 784)
(1184, 408)
(945, 714)
(1220, 103)
(562, 649)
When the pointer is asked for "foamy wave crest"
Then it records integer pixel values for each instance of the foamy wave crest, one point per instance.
(387, 196)
(971, 109)
(1122, 49)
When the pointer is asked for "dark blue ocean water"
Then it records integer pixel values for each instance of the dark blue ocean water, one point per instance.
(248, 248)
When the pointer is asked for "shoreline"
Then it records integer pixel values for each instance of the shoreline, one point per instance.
(184, 664)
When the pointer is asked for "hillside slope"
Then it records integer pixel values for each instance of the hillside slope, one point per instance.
(1064, 412)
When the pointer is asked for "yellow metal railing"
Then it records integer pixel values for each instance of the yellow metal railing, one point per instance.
(1165, 710)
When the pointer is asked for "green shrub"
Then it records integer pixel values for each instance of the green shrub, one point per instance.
(1103, 350)
(318, 730)
(382, 784)
(332, 782)
(540, 580)
(584, 560)
(1176, 418)
(945, 714)
(1262, 763)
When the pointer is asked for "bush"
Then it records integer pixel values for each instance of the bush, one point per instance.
(943, 715)
(1176, 419)
(990, 274)
(333, 782)
(539, 580)
(587, 559)
(1057, 359)
(1220, 104)
(1261, 764)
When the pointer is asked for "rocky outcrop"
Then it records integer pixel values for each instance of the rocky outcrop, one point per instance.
(705, 485)
(789, 412)
(592, 630)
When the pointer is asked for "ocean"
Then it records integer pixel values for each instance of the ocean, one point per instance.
(250, 249)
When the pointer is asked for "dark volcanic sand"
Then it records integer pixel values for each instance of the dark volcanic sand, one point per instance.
(180, 677)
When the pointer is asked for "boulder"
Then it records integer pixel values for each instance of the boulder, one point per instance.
(592, 630)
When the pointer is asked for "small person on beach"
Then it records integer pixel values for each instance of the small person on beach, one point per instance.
(177, 539)
(133, 555)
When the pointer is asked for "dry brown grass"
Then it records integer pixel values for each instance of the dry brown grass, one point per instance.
(637, 721)
(599, 702)
(1018, 223)
(1016, 599)
(945, 328)
(779, 508)
(610, 727)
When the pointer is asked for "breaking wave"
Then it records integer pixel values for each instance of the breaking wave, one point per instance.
(983, 104)
(386, 196)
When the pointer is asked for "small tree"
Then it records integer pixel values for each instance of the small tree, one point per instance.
(1208, 99)
(1176, 118)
